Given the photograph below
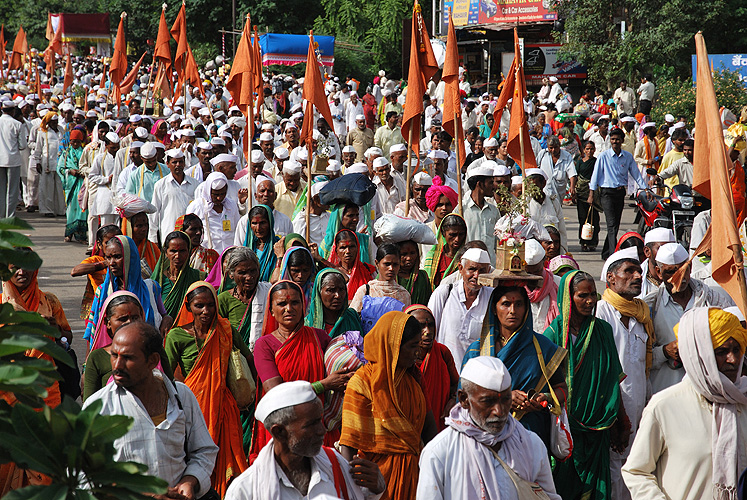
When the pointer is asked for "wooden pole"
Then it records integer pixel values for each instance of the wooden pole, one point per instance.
(309, 116)
(150, 82)
(409, 172)
(457, 124)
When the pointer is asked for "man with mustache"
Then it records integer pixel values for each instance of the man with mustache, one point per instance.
(483, 448)
(668, 306)
(168, 434)
(692, 442)
(294, 464)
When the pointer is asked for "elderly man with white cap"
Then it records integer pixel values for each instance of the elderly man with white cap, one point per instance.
(490, 151)
(692, 443)
(390, 190)
(102, 175)
(319, 216)
(143, 180)
(654, 239)
(419, 210)
(353, 109)
(480, 215)
(555, 91)
(667, 307)
(440, 166)
(459, 308)
(280, 155)
(12, 140)
(359, 136)
(294, 464)
(348, 156)
(390, 134)
(545, 206)
(558, 164)
(290, 189)
(171, 196)
(543, 295)
(398, 157)
(484, 451)
(219, 213)
(264, 195)
(633, 331)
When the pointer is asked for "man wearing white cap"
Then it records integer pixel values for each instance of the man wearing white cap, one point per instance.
(419, 210)
(319, 217)
(681, 168)
(440, 161)
(545, 205)
(123, 158)
(558, 164)
(633, 331)
(543, 295)
(459, 308)
(281, 156)
(348, 156)
(668, 306)
(334, 170)
(646, 153)
(265, 195)
(359, 136)
(353, 109)
(654, 239)
(482, 440)
(44, 160)
(294, 464)
(102, 175)
(389, 134)
(143, 180)
(490, 151)
(338, 116)
(292, 136)
(171, 196)
(204, 151)
(12, 141)
(479, 215)
(397, 156)
(624, 98)
(390, 190)
(290, 189)
(502, 196)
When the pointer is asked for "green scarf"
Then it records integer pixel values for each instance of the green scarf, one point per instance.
(433, 257)
(418, 285)
(348, 321)
(173, 296)
(593, 377)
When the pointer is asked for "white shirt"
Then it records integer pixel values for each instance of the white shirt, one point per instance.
(389, 198)
(666, 313)
(103, 166)
(481, 224)
(12, 140)
(179, 446)
(351, 111)
(558, 172)
(457, 326)
(171, 200)
(443, 460)
(646, 91)
(219, 227)
(124, 176)
(283, 226)
(601, 143)
(541, 308)
(318, 226)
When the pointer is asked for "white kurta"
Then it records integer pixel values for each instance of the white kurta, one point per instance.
(443, 460)
(219, 227)
(456, 326)
(317, 226)
(51, 196)
(666, 313)
(103, 167)
(671, 457)
(171, 200)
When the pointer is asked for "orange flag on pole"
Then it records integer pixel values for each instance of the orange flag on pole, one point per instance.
(452, 115)
(240, 83)
(257, 64)
(49, 34)
(179, 33)
(68, 81)
(711, 179)
(54, 47)
(423, 66)
(118, 66)
(20, 47)
(507, 88)
(519, 145)
(313, 92)
(191, 73)
(129, 81)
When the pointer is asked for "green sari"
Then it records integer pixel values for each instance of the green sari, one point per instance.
(593, 377)
(173, 293)
(349, 320)
(419, 286)
(433, 257)
(76, 226)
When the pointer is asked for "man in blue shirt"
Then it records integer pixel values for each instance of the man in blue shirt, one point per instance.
(611, 178)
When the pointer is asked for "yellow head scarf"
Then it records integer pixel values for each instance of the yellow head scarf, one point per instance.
(723, 326)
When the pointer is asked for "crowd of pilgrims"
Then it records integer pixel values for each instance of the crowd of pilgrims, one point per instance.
(190, 235)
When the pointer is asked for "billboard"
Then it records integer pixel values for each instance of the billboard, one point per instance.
(467, 12)
(732, 62)
(541, 60)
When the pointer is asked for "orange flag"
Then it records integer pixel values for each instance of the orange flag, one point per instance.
(423, 66)
(241, 80)
(179, 33)
(102, 83)
(162, 50)
(518, 129)
(20, 47)
(191, 73)
(711, 179)
(118, 67)
(127, 84)
(68, 81)
(257, 64)
(313, 92)
(49, 35)
(452, 115)
(507, 90)
(54, 47)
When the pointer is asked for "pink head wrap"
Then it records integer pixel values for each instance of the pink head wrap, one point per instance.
(435, 192)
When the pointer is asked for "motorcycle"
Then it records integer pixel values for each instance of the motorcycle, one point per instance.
(676, 211)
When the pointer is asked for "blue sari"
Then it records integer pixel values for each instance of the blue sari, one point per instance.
(285, 272)
(520, 357)
(266, 256)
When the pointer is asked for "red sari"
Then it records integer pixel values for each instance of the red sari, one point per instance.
(362, 272)
(439, 374)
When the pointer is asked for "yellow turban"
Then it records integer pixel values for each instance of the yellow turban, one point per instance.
(723, 325)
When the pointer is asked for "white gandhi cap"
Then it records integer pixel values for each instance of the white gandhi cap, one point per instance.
(477, 255)
(486, 371)
(659, 235)
(282, 396)
(630, 253)
(672, 254)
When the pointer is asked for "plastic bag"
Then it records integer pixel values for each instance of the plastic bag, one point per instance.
(128, 205)
(394, 229)
(374, 308)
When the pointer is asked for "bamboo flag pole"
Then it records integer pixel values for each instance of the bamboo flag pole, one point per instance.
(409, 174)
(150, 82)
(310, 113)
(457, 124)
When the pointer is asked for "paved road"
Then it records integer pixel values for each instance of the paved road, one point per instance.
(60, 257)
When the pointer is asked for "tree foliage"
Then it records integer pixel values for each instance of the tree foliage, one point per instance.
(658, 38)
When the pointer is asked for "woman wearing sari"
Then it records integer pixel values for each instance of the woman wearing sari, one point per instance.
(329, 309)
(384, 413)
(298, 266)
(218, 276)
(508, 335)
(94, 267)
(173, 272)
(345, 216)
(288, 351)
(440, 376)
(410, 276)
(203, 259)
(160, 130)
(593, 378)
(124, 274)
(137, 227)
(261, 239)
(440, 261)
(72, 181)
(200, 345)
(346, 257)
(385, 284)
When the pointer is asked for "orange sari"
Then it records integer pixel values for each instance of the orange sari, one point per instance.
(150, 252)
(384, 410)
(207, 380)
